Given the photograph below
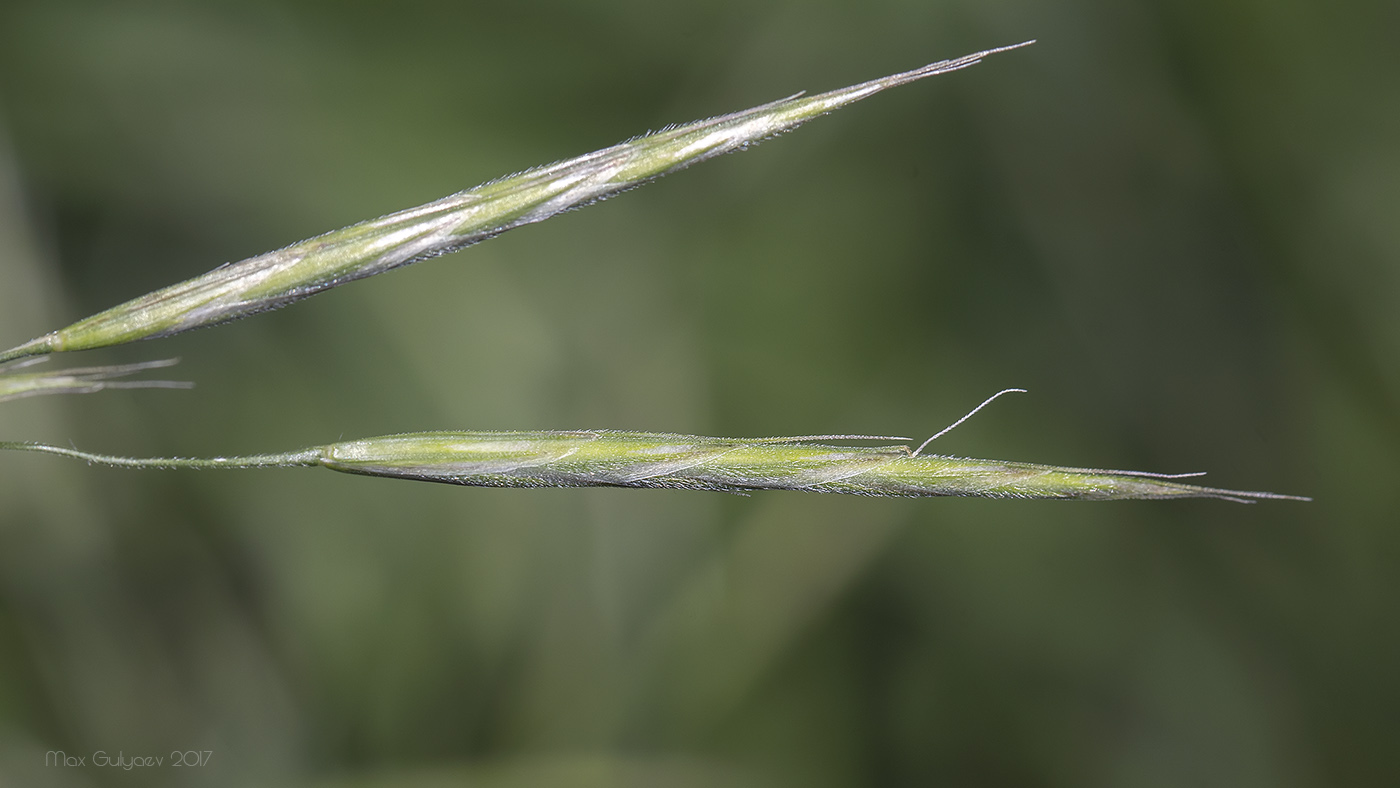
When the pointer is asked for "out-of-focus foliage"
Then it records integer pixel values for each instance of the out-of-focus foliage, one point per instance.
(1174, 223)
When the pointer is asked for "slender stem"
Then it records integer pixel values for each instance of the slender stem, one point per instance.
(34, 347)
(291, 459)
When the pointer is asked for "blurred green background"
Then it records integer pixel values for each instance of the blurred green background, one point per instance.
(1176, 223)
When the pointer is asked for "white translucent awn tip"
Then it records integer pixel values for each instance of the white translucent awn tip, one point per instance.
(1010, 47)
(998, 50)
(970, 414)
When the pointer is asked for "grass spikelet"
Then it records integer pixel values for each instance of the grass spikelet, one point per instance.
(279, 278)
(15, 384)
(605, 458)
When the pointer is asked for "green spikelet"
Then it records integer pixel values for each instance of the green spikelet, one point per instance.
(605, 458)
(279, 278)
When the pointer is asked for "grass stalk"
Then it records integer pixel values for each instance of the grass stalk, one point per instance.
(586, 458)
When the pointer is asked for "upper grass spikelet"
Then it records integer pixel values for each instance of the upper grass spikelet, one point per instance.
(278, 278)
